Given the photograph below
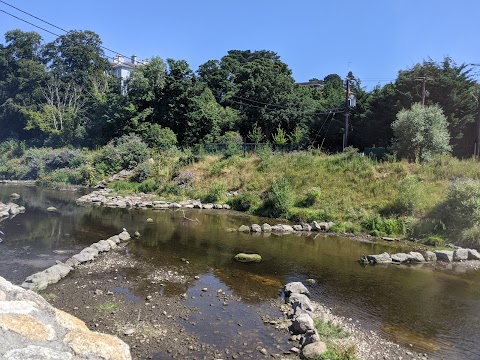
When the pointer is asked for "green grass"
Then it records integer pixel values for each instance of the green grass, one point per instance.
(338, 353)
(108, 306)
(328, 330)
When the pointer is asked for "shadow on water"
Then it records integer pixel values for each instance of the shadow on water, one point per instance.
(433, 310)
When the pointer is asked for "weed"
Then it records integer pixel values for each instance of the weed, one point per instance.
(329, 330)
(108, 306)
(338, 353)
(434, 240)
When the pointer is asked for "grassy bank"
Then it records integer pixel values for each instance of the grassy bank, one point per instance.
(438, 201)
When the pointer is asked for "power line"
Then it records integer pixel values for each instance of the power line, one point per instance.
(53, 25)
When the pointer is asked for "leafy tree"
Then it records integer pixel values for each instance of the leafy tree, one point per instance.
(21, 76)
(256, 135)
(421, 132)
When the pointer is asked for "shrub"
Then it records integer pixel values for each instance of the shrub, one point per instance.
(434, 240)
(142, 172)
(216, 193)
(329, 330)
(147, 186)
(379, 226)
(279, 198)
(470, 237)
(461, 209)
(185, 179)
(410, 197)
(124, 186)
(312, 197)
(132, 150)
(62, 176)
(246, 201)
(159, 138)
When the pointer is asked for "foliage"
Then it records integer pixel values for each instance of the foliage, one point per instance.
(246, 201)
(434, 240)
(461, 208)
(379, 226)
(216, 193)
(329, 330)
(470, 237)
(279, 198)
(421, 132)
(410, 197)
(280, 137)
(337, 353)
(256, 135)
(147, 186)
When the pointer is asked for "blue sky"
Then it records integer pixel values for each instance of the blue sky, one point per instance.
(372, 38)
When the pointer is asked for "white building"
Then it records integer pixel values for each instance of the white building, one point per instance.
(122, 68)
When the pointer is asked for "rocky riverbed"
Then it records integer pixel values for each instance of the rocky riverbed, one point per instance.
(159, 327)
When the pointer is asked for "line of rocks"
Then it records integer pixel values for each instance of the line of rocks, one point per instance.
(104, 197)
(18, 182)
(10, 209)
(30, 328)
(422, 257)
(285, 229)
(53, 274)
(299, 309)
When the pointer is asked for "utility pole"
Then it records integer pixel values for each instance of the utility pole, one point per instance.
(424, 80)
(347, 108)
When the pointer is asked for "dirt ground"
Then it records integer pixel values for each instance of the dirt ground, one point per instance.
(160, 327)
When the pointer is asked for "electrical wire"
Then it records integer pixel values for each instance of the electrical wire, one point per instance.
(55, 26)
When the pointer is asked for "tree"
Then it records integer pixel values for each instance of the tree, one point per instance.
(421, 132)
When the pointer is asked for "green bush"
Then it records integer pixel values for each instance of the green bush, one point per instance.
(312, 197)
(147, 186)
(329, 330)
(279, 198)
(63, 176)
(215, 193)
(470, 237)
(379, 226)
(434, 240)
(244, 202)
(142, 172)
(410, 197)
(124, 186)
(461, 209)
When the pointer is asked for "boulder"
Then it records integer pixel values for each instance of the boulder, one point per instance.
(226, 206)
(300, 301)
(416, 257)
(115, 239)
(207, 206)
(295, 287)
(297, 227)
(302, 323)
(314, 350)
(244, 228)
(266, 228)
(383, 258)
(444, 255)
(218, 206)
(401, 258)
(14, 196)
(51, 208)
(460, 255)
(473, 254)
(429, 256)
(124, 236)
(310, 336)
(256, 228)
(306, 227)
(246, 258)
(149, 220)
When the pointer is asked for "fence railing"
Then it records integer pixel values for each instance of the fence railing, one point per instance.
(245, 148)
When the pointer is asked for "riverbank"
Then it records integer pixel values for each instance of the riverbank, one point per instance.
(359, 194)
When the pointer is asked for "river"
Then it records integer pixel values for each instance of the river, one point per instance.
(435, 310)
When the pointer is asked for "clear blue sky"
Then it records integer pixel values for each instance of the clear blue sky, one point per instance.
(372, 38)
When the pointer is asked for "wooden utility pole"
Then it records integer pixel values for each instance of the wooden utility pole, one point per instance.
(347, 106)
(424, 80)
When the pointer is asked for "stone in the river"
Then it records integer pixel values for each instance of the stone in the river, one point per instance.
(295, 287)
(383, 258)
(242, 257)
(460, 255)
(444, 255)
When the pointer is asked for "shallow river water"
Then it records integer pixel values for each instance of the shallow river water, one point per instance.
(435, 310)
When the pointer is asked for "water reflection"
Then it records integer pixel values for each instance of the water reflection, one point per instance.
(435, 310)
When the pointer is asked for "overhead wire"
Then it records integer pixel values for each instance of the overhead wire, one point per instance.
(55, 26)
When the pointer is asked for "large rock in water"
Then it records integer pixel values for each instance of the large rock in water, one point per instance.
(383, 258)
(401, 258)
(246, 258)
(244, 228)
(302, 323)
(300, 301)
(473, 254)
(416, 257)
(32, 329)
(313, 350)
(429, 256)
(444, 255)
(295, 287)
(460, 255)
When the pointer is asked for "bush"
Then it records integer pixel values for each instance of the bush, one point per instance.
(470, 237)
(379, 226)
(63, 176)
(147, 186)
(216, 193)
(434, 240)
(246, 201)
(461, 209)
(159, 138)
(410, 197)
(279, 198)
(312, 197)
(125, 186)
(142, 172)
